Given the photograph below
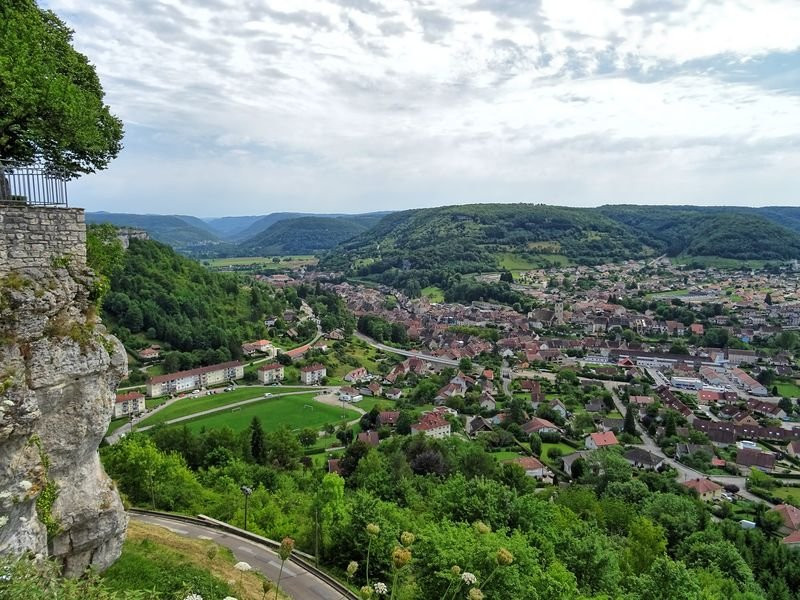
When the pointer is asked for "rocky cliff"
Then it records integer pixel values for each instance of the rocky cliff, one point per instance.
(58, 372)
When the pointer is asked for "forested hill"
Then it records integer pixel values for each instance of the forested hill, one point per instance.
(158, 295)
(305, 235)
(480, 237)
(181, 232)
(731, 232)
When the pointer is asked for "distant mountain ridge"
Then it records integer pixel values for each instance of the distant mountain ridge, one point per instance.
(430, 246)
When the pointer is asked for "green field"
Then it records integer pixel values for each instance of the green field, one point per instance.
(719, 262)
(788, 389)
(294, 412)
(116, 424)
(191, 404)
(433, 293)
(788, 493)
(518, 262)
(504, 456)
(668, 294)
(291, 262)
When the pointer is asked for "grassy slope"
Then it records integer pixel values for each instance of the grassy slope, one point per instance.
(168, 566)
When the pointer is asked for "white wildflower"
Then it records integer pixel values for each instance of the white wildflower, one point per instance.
(381, 589)
(242, 566)
(193, 597)
(229, 598)
(468, 578)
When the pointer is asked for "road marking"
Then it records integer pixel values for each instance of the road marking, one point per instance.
(176, 530)
(204, 537)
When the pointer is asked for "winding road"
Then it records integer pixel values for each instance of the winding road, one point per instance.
(296, 581)
(408, 353)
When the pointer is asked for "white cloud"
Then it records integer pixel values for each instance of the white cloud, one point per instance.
(349, 105)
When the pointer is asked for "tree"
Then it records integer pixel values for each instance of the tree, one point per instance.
(307, 436)
(465, 364)
(536, 444)
(257, 448)
(506, 276)
(282, 449)
(646, 543)
(51, 100)
(630, 423)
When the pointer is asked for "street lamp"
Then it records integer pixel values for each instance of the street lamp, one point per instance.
(246, 491)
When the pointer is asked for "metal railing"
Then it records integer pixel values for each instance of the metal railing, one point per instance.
(32, 185)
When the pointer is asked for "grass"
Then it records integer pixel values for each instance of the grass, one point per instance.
(433, 293)
(166, 565)
(116, 424)
(719, 262)
(295, 412)
(519, 262)
(668, 294)
(260, 262)
(788, 493)
(788, 389)
(504, 456)
(191, 404)
(565, 451)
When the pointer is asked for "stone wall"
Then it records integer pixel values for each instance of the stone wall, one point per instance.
(36, 236)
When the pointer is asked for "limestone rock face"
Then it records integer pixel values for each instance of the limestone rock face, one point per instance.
(58, 372)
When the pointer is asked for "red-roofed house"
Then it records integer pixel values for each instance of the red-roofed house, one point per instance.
(271, 373)
(263, 346)
(388, 417)
(792, 540)
(370, 438)
(793, 448)
(432, 425)
(705, 488)
(131, 403)
(539, 425)
(595, 441)
(790, 515)
(532, 466)
(358, 374)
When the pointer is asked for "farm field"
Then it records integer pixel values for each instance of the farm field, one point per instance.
(294, 412)
(262, 262)
(192, 404)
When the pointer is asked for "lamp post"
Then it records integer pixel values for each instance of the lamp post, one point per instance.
(246, 491)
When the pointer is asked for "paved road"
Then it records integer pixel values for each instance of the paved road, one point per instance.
(296, 582)
(426, 357)
(125, 429)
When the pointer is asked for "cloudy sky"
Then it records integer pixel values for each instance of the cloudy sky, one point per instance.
(256, 106)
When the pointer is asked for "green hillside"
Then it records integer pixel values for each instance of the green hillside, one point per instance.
(740, 233)
(180, 232)
(433, 246)
(303, 235)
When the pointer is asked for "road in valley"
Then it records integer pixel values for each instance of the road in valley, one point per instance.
(408, 353)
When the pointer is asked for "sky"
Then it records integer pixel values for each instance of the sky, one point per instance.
(236, 107)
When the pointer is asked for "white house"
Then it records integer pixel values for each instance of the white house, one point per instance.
(184, 381)
(432, 425)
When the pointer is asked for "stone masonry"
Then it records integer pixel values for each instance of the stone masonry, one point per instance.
(34, 236)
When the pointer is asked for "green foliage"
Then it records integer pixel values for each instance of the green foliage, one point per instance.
(26, 579)
(303, 235)
(105, 255)
(51, 101)
(48, 494)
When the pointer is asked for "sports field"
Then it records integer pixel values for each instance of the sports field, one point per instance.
(295, 412)
(195, 404)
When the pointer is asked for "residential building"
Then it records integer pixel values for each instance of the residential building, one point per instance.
(388, 417)
(595, 441)
(642, 459)
(128, 404)
(370, 438)
(705, 488)
(349, 394)
(359, 374)
(532, 466)
(194, 379)
(539, 425)
(313, 374)
(432, 425)
(790, 518)
(262, 346)
(747, 383)
(747, 457)
(271, 373)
